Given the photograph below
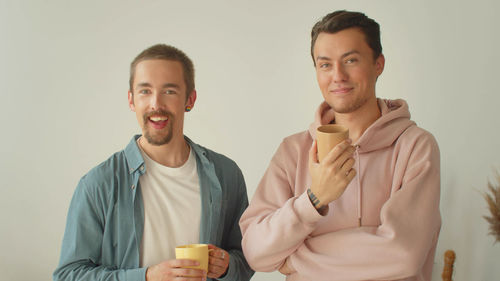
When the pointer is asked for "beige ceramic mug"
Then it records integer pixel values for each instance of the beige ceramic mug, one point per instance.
(198, 252)
(328, 136)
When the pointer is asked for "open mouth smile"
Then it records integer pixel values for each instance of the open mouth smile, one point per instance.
(158, 122)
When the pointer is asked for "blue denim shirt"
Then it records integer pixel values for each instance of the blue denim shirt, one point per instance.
(106, 217)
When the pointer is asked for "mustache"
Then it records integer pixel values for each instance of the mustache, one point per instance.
(157, 112)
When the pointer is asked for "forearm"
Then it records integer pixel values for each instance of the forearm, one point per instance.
(361, 254)
(85, 271)
(270, 236)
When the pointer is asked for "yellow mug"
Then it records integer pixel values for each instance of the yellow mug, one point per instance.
(198, 252)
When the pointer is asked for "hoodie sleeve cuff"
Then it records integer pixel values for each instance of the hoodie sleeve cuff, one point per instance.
(306, 209)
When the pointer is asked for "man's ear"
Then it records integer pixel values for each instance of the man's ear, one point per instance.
(379, 64)
(191, 99)
(131, 101)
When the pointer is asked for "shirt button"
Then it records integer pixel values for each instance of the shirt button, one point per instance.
(142, 168)
(133, 186)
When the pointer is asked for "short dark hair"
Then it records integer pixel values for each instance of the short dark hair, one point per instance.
(342, 19)
(166, 52)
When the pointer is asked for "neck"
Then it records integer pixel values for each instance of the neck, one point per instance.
(359, 120)
(173, 154)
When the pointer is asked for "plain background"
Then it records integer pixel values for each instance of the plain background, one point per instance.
(64, 78)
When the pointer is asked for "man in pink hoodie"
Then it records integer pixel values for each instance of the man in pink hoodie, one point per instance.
(370, 209)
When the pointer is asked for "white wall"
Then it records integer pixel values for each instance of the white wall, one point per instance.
(63, 83)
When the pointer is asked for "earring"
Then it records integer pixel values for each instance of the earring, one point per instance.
(188, 108)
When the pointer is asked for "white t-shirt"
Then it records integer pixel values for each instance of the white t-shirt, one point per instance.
(172, 209)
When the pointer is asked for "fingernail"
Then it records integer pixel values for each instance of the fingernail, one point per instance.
(349, 140)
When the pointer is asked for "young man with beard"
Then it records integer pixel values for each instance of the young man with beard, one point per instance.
(370, 209)
(163, 190)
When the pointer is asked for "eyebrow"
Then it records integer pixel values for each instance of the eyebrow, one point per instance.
(318, 58)
(166, 85)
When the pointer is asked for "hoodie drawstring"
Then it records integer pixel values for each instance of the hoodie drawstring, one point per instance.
(358, 175)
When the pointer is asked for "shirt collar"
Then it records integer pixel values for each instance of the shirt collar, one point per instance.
(199, 150)
(135, 160)
(133, 155)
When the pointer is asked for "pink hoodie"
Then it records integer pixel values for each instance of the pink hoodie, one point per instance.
(395, 197)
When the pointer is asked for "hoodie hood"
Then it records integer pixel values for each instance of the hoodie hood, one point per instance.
(394, 120)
